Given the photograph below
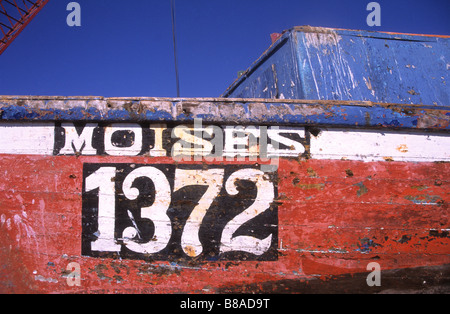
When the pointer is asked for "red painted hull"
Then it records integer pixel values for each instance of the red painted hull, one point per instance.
(334, 218)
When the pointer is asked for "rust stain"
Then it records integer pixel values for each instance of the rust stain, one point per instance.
(403, 148)
(190, 251)
(433, 119)
(308, 186)
(419, 187)
(413, 92)
(312, 173)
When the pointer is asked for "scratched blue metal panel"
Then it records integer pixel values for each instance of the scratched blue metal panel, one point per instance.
(274, 75)
(329, 64)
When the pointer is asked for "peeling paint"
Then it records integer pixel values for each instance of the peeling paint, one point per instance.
(338, 64)
(323, 232)
(362, 189)
(322, 37)
(231, 111)
(43, 279)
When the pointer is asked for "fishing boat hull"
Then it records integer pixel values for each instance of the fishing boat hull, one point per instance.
(170, 196)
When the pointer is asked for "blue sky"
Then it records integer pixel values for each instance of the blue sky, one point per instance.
(124, 48)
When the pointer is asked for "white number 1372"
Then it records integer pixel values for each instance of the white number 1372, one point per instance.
(104, 179)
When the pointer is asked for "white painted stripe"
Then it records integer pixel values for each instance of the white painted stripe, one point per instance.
(27, 138)
(37, 138)
(379, 145)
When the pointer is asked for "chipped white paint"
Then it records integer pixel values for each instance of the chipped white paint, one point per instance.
(375, 145)
(327, 43)
(319, 39)
(18, 227)
(26, 138)
(310, 67)
(44, 279)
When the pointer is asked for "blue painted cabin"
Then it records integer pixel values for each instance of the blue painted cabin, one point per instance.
(347, 65)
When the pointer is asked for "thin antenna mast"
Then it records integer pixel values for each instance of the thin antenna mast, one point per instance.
(172, 5)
